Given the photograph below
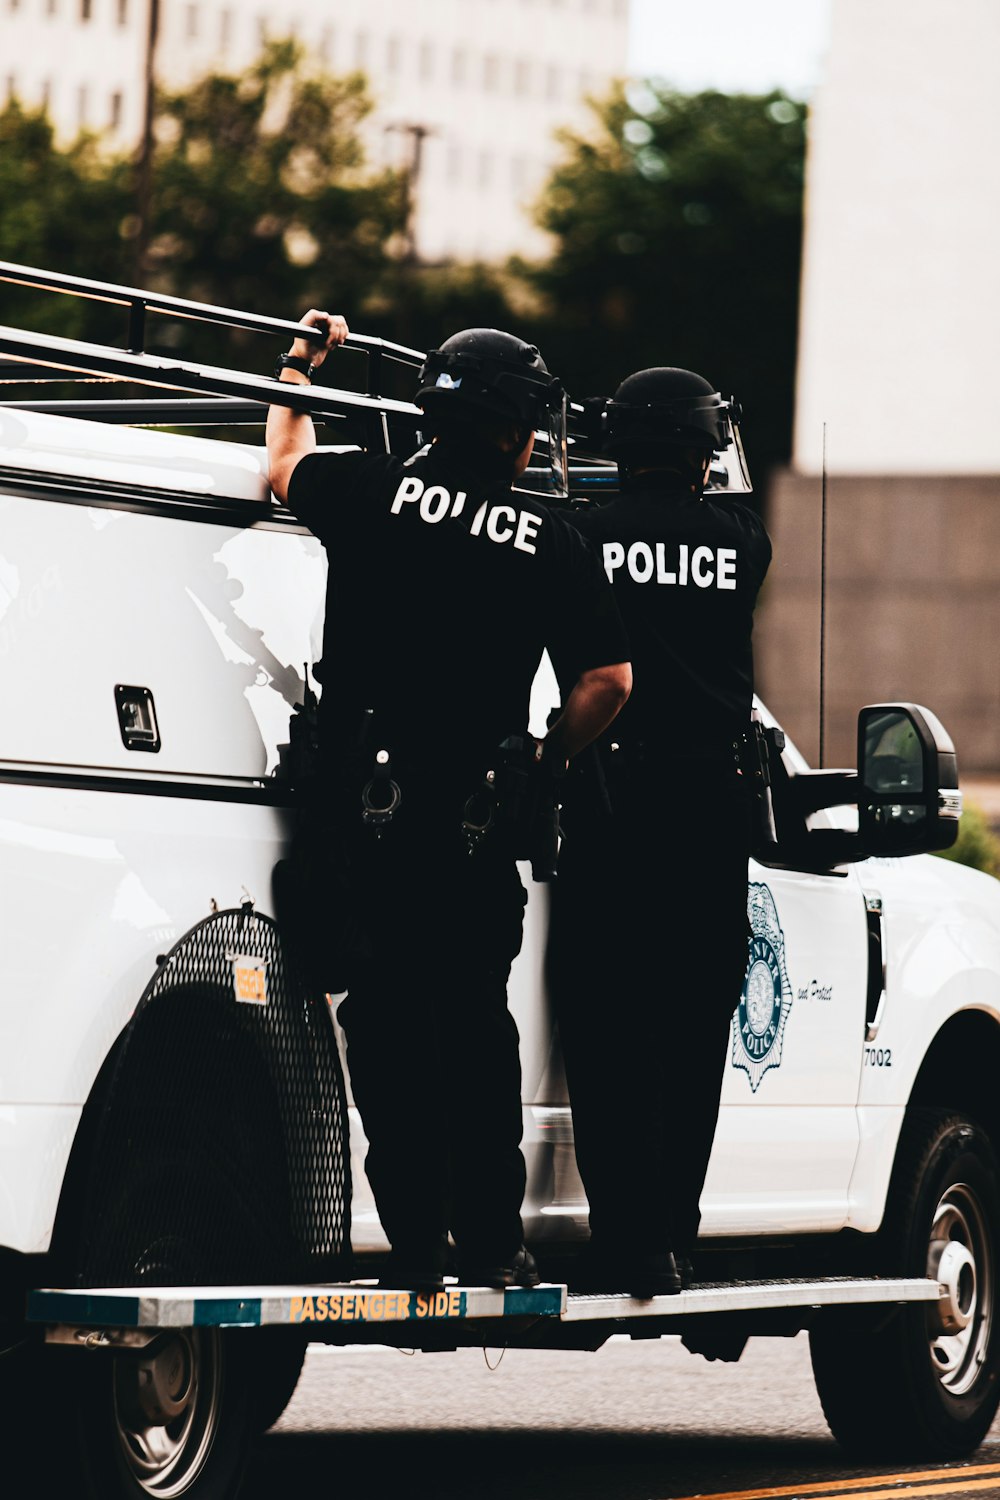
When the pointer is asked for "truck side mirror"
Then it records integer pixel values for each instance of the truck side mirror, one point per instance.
(908, 797)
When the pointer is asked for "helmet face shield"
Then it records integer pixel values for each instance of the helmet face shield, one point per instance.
(728, 472)
(548, 469)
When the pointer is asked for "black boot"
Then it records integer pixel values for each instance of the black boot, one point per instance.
(516, 1270)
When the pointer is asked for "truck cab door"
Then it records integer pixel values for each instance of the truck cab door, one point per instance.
(787, 1137)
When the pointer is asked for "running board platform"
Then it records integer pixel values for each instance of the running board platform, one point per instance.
(124, 1317)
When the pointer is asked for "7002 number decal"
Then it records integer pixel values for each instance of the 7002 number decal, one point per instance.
(878, 1057)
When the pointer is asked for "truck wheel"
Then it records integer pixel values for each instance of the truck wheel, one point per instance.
(278, 1357)
(171, 1419)
(923, 1380)
(24, 1368)
(174, 1418)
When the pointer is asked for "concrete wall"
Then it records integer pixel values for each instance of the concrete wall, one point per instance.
(900, 298)
(900, 318)
(913, 607)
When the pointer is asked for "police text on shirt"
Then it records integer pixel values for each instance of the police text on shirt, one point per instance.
(704, 567)
(500, 523)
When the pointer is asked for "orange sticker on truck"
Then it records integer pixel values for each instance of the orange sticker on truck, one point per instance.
(376, 1307)
(250, 980)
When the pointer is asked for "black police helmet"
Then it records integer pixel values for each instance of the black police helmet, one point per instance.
(664, 410)
(486, 370)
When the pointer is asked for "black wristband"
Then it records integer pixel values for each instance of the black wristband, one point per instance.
(294, 362)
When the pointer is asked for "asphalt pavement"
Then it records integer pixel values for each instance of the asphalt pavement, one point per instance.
(635, 1421)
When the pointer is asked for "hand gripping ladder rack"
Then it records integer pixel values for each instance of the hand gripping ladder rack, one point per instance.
(219, 396)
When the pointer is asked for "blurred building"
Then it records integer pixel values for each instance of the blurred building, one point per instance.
(900, 323)
(469, 92)
(83, 60)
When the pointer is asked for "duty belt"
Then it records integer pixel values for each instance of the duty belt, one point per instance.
(380, 795)
(515, 805)
(622, 755)
(518, 799)
(754, 751)
(370, 761)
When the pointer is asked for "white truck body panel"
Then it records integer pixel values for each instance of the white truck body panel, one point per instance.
(107, 857)
(62, 446)
(195, 612)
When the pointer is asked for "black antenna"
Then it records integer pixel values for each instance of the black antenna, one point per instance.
(822, 608)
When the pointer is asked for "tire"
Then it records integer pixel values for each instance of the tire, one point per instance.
(905, 1385)
(175, 1418)
(24, 1366)
(172, 1419)
(277, 1359)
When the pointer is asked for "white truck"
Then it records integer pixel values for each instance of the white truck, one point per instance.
(176, 1135)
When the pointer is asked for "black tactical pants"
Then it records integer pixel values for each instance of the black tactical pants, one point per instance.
(432, 1047)
(647, 955)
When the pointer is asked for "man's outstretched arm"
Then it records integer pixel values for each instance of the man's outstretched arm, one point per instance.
(290, 434)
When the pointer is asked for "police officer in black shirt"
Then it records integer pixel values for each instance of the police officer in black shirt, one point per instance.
(657, 831)
(444, 587)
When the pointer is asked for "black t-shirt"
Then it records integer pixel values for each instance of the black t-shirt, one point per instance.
(685, 572)
(444, 588)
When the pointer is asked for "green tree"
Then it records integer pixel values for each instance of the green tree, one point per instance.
(61, 208)
(261, 200)
(977, 844)
(262, 197)
(421, 305)
(677, 224)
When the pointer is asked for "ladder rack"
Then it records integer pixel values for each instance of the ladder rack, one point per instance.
(182, 411)
(139, 303)
(213, 396)
(208, 394)
(77, 357)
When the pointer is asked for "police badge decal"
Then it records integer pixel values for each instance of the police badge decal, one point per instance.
(760, 1019)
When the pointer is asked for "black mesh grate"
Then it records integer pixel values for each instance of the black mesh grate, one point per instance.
(222, 1153)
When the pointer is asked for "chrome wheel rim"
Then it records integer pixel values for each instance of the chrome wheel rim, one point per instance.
(167, 1404)
(961, 1238)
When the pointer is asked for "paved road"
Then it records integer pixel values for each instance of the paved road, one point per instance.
(643, 1421)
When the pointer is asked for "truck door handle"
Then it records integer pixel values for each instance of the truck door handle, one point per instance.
(137, 718)
(875, 1002)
